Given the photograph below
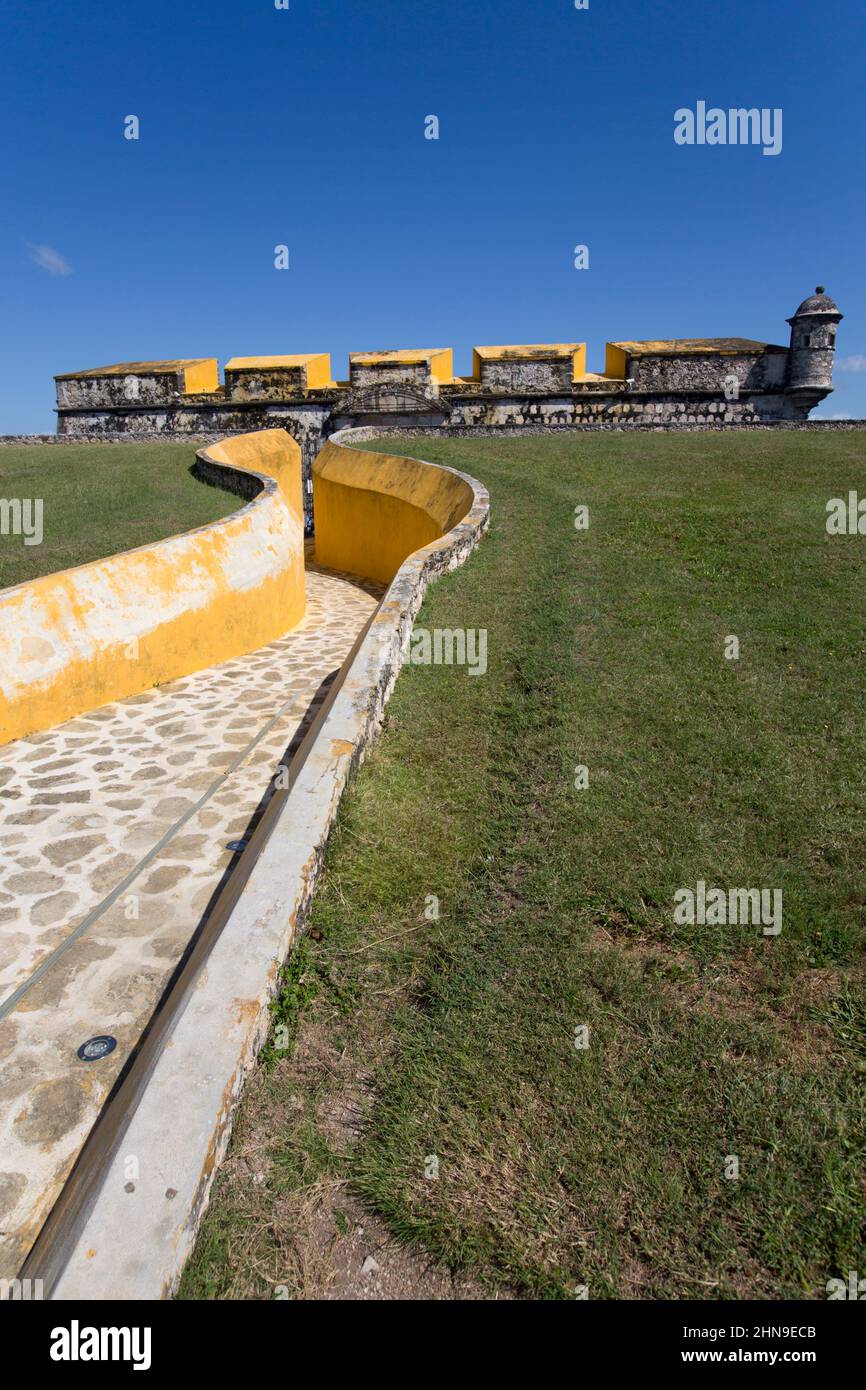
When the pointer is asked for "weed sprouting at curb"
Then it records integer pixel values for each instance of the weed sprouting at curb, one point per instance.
(299, 986)
(304, 977)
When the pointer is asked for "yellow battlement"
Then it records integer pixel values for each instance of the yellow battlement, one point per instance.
(532, 352)
(196, 374)
(438, 361)
(617, 354)
(316, 366)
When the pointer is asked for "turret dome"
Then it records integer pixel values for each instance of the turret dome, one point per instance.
(817, 303)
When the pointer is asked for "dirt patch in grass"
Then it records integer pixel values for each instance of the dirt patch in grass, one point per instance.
(797, 1008)
(287, 1222)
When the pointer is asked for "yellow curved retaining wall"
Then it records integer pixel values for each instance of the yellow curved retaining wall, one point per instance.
(372, 510)
(77, 639)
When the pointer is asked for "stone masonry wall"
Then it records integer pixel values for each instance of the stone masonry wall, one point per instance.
(265, 384)
(810, 366)
(527, 376)
(668, 427)
(96, 391)
(417, 375)
(706, 371)
(630, 408)
(303, 421)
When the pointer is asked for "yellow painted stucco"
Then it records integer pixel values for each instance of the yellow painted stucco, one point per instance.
(201, 376)
(82, 637)
(317, 364)
(373, 510)
(615, 361)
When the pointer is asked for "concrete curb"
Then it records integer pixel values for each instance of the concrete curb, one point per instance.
(135, 1239)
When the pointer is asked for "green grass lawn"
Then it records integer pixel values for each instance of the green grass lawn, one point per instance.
(605, 1166)
(101, 498)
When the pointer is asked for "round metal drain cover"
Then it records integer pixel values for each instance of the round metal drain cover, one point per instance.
(96, 1048)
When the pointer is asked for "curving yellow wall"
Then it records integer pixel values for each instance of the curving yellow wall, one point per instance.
(82, 637)
(372, 510)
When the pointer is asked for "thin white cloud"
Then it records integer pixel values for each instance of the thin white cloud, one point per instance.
(49, 259)
(857, 363)
(838, 416)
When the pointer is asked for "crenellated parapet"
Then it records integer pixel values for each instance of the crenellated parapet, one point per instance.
(530, 367)
(137, 383)
(277, 378)
(424, 368)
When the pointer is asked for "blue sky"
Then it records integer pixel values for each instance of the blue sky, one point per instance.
(306, 127)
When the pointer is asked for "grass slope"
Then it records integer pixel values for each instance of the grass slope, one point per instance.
(101, 498)
(602, 1167)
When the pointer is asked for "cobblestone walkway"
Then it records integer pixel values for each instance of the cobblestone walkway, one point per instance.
(116, 830)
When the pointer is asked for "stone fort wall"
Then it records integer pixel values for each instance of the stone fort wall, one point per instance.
(702, 383)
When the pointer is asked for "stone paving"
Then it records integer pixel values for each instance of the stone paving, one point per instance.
(116, 830)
